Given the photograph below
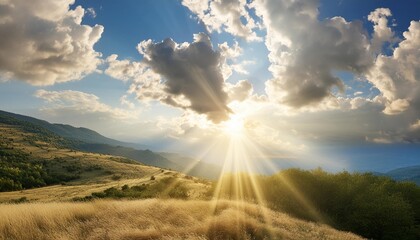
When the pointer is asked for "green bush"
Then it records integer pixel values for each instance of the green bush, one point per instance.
(164, 188)
(372, 206)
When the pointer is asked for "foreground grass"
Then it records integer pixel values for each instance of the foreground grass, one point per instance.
(155, 219)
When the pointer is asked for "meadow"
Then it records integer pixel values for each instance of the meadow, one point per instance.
(109, 197)
(156, 219)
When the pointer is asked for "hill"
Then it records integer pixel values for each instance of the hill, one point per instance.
(39, 166)
(67, 131)
(83, 139)
(156, 219)
(406, 174)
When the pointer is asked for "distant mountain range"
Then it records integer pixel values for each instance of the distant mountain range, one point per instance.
(405, 174)
(90, 141)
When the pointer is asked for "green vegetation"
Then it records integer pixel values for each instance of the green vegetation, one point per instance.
(168, 187)
(40, 133)
(18, 170)
(374, 207)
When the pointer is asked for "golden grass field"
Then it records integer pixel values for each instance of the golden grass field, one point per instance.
(91, 181)
(156, 219)
(50, 214)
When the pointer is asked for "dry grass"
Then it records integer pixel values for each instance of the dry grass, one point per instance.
(155, 219)
(196, 189)
(90, 181)
(113, 165)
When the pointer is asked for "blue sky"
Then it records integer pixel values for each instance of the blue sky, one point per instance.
(290, 74)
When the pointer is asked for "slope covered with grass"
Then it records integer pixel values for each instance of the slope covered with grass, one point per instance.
(156, 219)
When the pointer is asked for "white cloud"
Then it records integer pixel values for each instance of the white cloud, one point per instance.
(305, 51)
(398, 76)
(123, 69)
(91, 12)
(241, 67)
(80, 103)
(231, 16)
(381, 32)
(43, 42)
(240, 91)
(396, 107)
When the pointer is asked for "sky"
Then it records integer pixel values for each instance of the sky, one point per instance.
(290, 83)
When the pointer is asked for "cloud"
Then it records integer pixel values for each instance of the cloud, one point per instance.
(79, 103)
(231, 16)
(125, 102)
(398, 76)
(381, 32)
(123, 69)
(190, 76)
(43, 42)
(305, 51)
(240, 91)
(415, 125)
(91, 12)
(191, 73)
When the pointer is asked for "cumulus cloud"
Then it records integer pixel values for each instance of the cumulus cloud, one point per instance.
(191, 71)
(304, 51)
(43, 42)
(240, 91)
(398, 76)
(123, 69)
(80, 103)
(231, 16)
(381, 31)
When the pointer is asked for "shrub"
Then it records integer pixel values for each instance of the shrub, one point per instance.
(372, 206)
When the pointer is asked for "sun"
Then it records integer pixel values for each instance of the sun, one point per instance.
(234, 127)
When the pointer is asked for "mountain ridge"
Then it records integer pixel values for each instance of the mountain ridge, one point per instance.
(89, 140)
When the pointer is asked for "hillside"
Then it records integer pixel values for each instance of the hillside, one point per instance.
(83, 139)
(156, 219)
(46, 171)
(52, 177)
(67, 131)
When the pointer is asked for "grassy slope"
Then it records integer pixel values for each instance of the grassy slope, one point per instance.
(156, 219)
(48, 216)
(88, 140)
(113, 171)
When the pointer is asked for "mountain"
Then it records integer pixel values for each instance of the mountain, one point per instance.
(406, 174)
(67, 131)
(144, 156)
(87, 140)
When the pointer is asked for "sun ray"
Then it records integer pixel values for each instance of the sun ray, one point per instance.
(238, 180)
